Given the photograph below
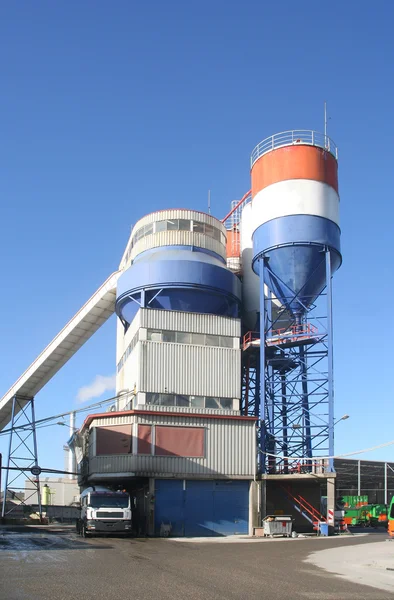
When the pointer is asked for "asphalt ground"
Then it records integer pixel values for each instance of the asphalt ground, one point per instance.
(38, 563)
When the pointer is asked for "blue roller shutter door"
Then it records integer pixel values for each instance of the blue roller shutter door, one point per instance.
(169, 500)
(202, 508)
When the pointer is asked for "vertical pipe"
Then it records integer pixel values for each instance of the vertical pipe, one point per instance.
(9, 457)
(71, 451)
(284, 422)
(359, 478)
(330, 363)
(262, 366)
(33, 428)
(247, 376)
(385, 483)
(307, 441)
(269, 370)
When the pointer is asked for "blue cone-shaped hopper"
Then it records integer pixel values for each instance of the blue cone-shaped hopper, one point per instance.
(293, 248)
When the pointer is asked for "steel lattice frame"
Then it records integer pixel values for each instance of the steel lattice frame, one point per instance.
(22, 457)
(295, 400)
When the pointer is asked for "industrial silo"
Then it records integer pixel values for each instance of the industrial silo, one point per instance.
(179, 305)
(296, 249)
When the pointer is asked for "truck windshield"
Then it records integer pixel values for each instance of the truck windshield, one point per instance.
(105, 501)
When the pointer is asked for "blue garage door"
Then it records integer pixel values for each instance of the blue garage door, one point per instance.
(202, 508)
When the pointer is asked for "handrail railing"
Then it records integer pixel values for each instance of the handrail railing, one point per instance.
(294, 333)
(294, 137)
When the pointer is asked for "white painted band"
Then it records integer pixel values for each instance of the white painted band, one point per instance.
(295, 197)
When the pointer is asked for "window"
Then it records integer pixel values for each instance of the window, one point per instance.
(154, 336)
(168, 336)
(183, 338)
(160, 226)
(172, 225)
(179, 441)
(198, 338)
(198, 227)
(148, 229)
(209, 230)
(226, 342)
(212, 340)
(197, 401)
(184, 224)
(226, 403)
(188, 401)
(212, 403)
(182, 400)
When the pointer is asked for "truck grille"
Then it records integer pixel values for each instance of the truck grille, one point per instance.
(105, 514)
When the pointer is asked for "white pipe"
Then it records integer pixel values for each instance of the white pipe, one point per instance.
(71, 454)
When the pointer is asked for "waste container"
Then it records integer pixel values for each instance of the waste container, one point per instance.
(323, 528)
(277, 525)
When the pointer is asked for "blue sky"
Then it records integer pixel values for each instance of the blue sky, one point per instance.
(112, 110)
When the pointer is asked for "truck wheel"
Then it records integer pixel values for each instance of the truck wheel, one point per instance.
(84, 533)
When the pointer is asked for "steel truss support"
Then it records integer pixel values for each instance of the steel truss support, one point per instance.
(295, 405)
(22, 458)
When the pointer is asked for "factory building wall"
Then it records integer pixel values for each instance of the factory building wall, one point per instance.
(191, 369)
(228, 446)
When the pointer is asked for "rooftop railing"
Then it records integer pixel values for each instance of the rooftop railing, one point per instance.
(303, 137)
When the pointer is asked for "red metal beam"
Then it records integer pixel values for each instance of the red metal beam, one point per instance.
(236, 206)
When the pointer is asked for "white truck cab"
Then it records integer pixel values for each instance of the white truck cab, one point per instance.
(104, 511)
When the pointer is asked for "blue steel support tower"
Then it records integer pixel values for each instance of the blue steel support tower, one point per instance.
(296, 250)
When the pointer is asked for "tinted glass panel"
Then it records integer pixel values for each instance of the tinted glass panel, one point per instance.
(209, 230)
(198, 338)
(182, 400)
(226, 403)
(154, 336)
(183, 338)
(160, 226)
(226, 342)
(197, 401)
(212, 403)
(172, 225)
(212, 340)
(168, 336)
(149, 229)
(184, 224)
(198, 227)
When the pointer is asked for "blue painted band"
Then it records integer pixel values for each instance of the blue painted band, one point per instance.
(293, 251)
(179, 247)
(203, 279)
(295, 230)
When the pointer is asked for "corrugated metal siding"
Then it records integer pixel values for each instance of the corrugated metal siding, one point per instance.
(132, 329)
(178, 238)
(192, 370)
(132, 369)
(190, 322)
(230, 451)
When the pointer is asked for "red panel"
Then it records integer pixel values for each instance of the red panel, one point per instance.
(144, 439)
(179, 441)
(115, 439)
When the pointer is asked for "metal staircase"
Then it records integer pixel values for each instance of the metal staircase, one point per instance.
(309, 512)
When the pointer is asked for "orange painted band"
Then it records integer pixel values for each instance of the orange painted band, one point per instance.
(294, 162)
